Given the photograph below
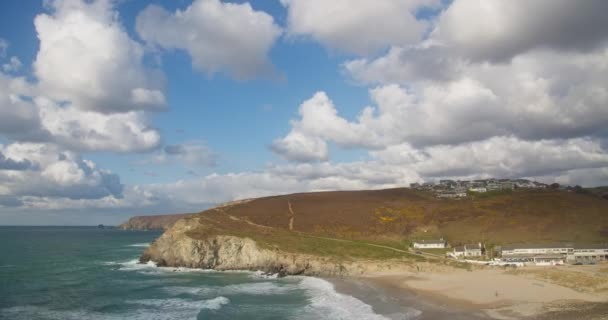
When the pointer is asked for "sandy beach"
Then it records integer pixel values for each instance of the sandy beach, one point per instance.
(495, 293)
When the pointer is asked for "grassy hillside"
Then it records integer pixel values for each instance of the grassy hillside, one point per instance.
(396, 216)
(157, 222)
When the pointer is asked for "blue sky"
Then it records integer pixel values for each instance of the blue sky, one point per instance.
(237, 119)
(109, 108)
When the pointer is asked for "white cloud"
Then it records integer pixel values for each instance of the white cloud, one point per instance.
(297, 146)
(87, 58)
(528, 97)
(573, 161)
(500, 30)
(319, 121)
(84, 130)
(18, 117)
(456, 113)
(13, 65)
(426, 62)
(43, 120)
(48, 171)
(360, 26)
(193, 153)
(498, 157)
(219, 36)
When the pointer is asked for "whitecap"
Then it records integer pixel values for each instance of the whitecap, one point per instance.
(179, 308)
(258, 288)
(139, 245)
(326, 303)
(215, 303)
(153, 309)
(134, 264)
(263, 275)
(254, 288)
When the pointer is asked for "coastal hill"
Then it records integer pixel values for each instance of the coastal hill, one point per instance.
(297, 232)
(159, 222)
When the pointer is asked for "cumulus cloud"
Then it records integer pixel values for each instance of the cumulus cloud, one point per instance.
(46, 171)
(504, 156)
(319, 121)
(10, 164)
(218, 36)
(360, 27)
(500, 30)
(18, 116)
(573, 161)
(90, 86)
(297, 146)
(528, 97)
(87, 58)
(428, 61)
(194, 153)
(85, 130)
(27, 117)
(450, 114)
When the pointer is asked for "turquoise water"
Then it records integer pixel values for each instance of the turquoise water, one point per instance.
(89, 273)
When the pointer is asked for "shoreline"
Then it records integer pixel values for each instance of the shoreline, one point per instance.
(393, 302)
(484, 293)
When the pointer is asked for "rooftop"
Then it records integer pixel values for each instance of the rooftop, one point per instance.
(437, 241)
(538, 246)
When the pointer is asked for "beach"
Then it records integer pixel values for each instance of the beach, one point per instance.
(488, 293)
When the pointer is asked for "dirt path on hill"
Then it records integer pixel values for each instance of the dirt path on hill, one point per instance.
(293, 215)
(291, 220)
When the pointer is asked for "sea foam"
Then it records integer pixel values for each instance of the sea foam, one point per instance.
(139, 245)
(251, 288)
(151, 309)
(326, 303)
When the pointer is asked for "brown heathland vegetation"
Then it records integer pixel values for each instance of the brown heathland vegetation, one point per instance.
(394, 217)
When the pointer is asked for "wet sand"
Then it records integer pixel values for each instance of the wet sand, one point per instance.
(395, 302)
(487, 293)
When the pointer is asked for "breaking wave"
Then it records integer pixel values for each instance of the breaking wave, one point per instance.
(326, 303)
(151, 309)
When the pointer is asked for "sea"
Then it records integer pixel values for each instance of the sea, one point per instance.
(76, 273)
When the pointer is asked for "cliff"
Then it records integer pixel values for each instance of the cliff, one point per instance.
(160, 222)
(179, 247)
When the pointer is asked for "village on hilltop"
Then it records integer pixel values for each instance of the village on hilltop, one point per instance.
(511, 255)
(460, 189)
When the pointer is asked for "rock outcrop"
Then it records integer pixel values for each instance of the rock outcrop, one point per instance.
(175, 248)
(160, 222)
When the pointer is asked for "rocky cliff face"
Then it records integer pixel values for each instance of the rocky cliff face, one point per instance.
(224, 252)
(160, 222)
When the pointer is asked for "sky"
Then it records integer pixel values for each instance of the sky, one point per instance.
(115, 108)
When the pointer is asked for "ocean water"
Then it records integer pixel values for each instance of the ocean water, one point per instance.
(57, 273)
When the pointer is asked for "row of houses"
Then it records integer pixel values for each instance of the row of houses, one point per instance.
(525, 254)
(554, 254)
(465, 251)
(458, 188)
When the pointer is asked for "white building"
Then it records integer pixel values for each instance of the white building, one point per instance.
(537, 249)
(451, 194)
(429, 244)
(553, 254)
(468, 250)
(478, 189)
(588, 253)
